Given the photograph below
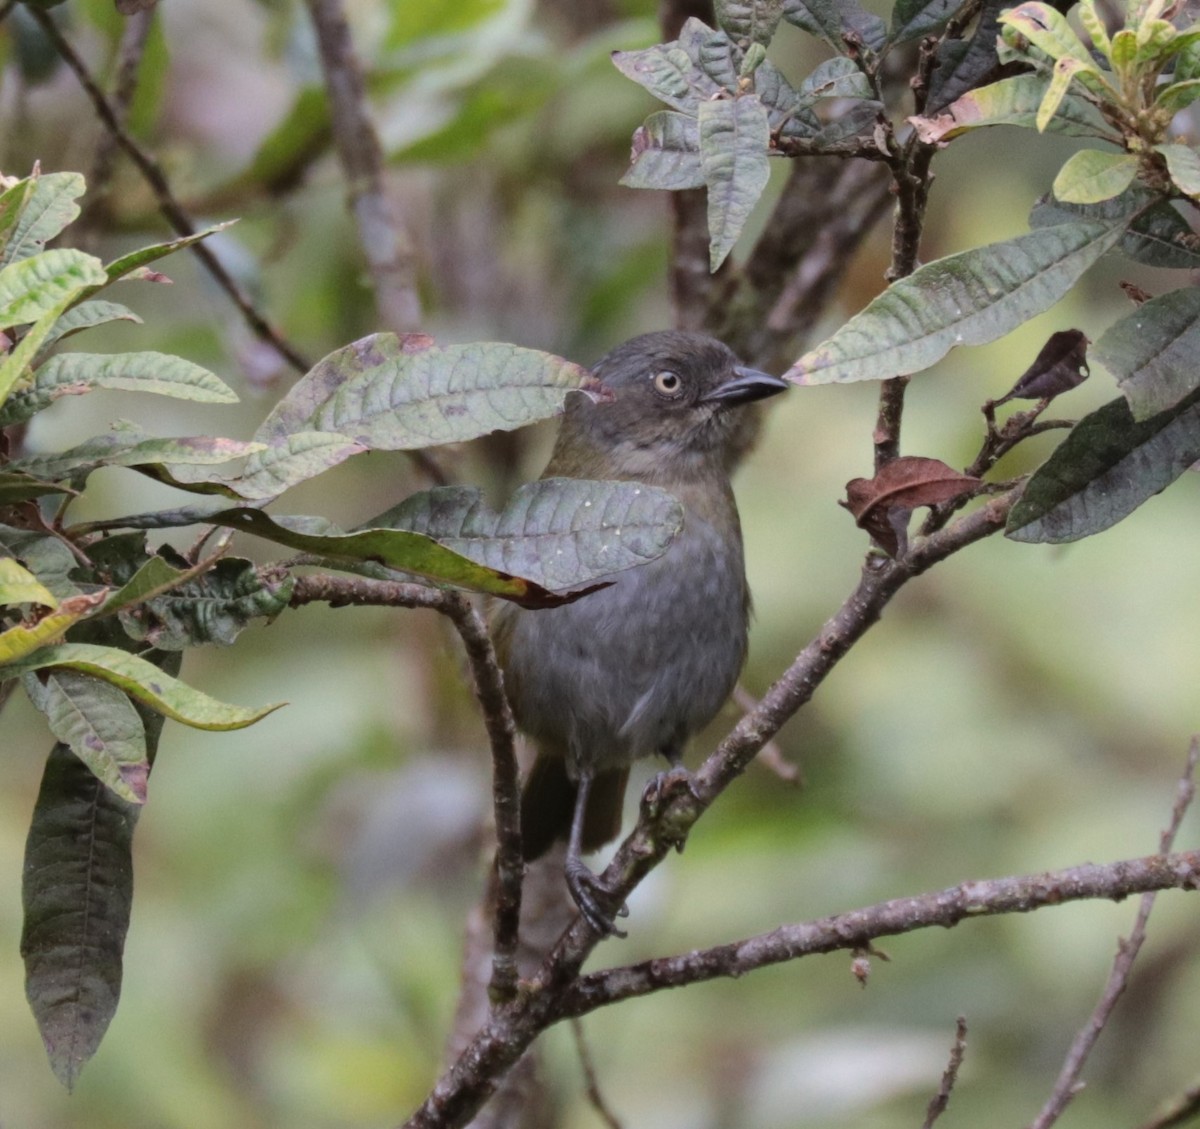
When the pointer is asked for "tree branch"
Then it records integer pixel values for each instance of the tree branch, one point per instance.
(944, 908)
(168, 205)
(941, 1099)
(1068, 1084)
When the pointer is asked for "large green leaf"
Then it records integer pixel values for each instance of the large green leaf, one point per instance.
(686, 71)
(31, 287)
(77, 889)
(560, 533)
(1154, 352)
(84, 316)
(292, 459)
(50, 208)
(1157, 234)
(99, 725)
(400, 393)
(666, 153)
(966, 299)
(144, 682)
(72, 374)
(734, 141)
(1108, 466)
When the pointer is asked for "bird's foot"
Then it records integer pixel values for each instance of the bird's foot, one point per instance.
(594, 899)
(662, 789)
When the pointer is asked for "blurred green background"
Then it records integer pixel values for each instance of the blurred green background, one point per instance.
(301, 885)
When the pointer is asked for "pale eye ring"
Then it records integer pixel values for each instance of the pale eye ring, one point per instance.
(668, 383)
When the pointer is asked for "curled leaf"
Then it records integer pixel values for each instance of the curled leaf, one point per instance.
(1061, 364)
(883, 505)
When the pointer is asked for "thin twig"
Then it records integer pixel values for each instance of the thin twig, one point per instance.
(1068, 1084)
(168, 205)
(381, 234)
(770, 756)
(488, 681)
(1179, 1111)
(940, 1100)
(590, 1080)
(129, 62)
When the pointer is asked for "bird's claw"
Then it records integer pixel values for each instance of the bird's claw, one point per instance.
(594, 899)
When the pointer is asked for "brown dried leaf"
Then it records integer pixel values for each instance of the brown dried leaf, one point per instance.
(883, 505)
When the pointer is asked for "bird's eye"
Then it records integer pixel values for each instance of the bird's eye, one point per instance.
(668, 383)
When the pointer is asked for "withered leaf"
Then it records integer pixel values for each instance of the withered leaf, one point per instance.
(883, 505)
(1060, 366)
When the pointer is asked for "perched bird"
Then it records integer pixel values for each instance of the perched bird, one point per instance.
(640, 666)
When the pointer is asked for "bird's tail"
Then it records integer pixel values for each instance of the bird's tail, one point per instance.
(548, 803)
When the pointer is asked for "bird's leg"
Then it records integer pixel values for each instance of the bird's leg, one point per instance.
(590, 894)
(668, 783)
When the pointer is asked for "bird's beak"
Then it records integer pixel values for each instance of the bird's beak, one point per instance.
(747, 385)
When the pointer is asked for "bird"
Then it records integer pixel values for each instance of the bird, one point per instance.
(638, 667)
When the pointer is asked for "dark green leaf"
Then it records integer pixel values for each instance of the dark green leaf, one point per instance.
(77, 891)
(912, 19)
(1158, 236)
(560, 533)
(1108, 466)
(99, 725)
(1154, 352)
(965, 64)
(789, 110)
(734, 141)
(399, 393)
(832, 20)
(50, 209)
(749, 21)
(966, 299)
(45, 556)
(666, 153)
(684, 72)
(838, 77)
(16, 487)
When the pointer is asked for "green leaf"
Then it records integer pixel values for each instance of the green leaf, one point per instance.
(1178, 96)
(560, 533)
(31, 287)
(12, 204)
(26, 638)
(144, 682)
(1187, 61)
(1108, 466)
(99, 725)
(1093, 24)
(1048, 30)
(666, 153)
(963, 65)
(292, 459)
(173, 605)
(19, 586)
(1065, 71)
(77, 889)
(966, 299)
(1154, 352)
(838, 77)
(17, 487)
(734, 140)
(1157, 235)
(1091, 176)
(73, 374)
(135, 260)
(1013, 101)
(45, 556)
(913, 19)
(1183, 163)
(749, 21)
(832, 20)
(50, 208)
(129, 448)
(85, 316)
(686, 71)
(15, 364)
(400, 393)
